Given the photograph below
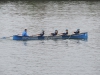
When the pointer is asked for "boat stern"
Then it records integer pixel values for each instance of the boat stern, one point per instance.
(16, 37)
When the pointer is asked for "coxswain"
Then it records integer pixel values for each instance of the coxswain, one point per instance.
(25, 33)
(55, 33)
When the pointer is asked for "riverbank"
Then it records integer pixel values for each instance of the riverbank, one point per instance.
(49, 0)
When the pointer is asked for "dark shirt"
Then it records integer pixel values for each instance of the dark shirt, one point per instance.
(54, 34)
(64, 34)
(77, 32)
(42, 33)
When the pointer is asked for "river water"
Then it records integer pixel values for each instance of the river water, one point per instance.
(49, 57)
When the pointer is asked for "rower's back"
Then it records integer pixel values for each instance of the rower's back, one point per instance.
(77, 32)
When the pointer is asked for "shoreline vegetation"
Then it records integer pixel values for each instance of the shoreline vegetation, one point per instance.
(4, 1)
(48, 0)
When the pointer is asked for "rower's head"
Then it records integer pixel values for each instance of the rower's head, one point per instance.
(66, 30)
(56, 31)
(26, 30)
(43, 31)
(78, 29)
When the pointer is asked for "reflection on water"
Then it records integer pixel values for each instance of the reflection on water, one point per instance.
(50, 57)
(63, 41)
(25, 43)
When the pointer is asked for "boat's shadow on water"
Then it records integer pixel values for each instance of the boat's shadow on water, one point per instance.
(63, 41)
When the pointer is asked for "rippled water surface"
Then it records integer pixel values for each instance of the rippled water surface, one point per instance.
(50, 57)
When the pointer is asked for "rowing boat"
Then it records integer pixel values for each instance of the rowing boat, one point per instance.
(73, 36)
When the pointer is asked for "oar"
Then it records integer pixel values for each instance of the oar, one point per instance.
(9, 37)
(69, 36)
(6, 37)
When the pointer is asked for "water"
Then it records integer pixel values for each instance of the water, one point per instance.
(49, 57)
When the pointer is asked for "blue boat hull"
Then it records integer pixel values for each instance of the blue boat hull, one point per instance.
(74, 36)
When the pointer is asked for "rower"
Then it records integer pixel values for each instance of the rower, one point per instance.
(55, 33)
(42, 33)
(24, 33)
(77, 32)
(66, 33)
